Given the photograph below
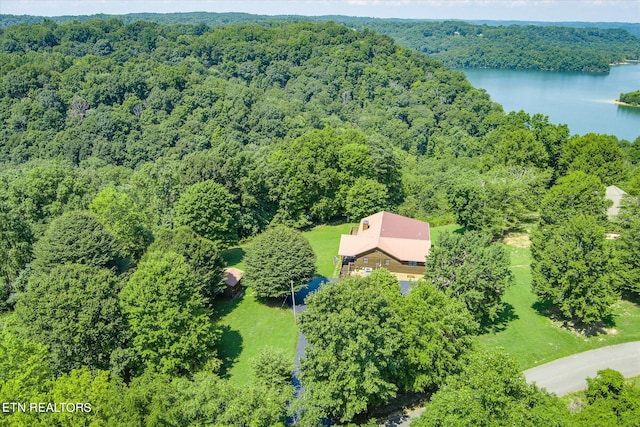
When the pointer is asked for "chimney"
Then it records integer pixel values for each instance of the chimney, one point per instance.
(365, 224)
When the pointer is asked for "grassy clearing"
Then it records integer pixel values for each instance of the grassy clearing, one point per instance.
(325, 240)
(249, 326)
(533, 339)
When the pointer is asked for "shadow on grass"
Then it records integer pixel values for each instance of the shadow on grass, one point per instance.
(229, 348)
(223, 306)
(631, 297)
(506, 315)
(233, 256)
(549, 310)
(460, 230)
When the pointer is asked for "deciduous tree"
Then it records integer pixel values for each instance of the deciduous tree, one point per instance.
(200, 253)
(77, 237)
(208, 208)
(276, 258)
(471, 269)
(73, 309)
(491, 391)
(172, 329)
(572, 269)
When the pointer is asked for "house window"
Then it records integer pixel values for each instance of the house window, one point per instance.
(413, 264)
(387, 262)
(365, 260)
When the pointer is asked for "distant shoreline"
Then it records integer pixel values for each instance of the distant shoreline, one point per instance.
(627, 62)
(615, 101)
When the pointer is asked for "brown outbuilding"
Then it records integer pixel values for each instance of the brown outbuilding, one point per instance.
(233, 280)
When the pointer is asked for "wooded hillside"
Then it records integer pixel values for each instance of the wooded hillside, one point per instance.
(567, 46)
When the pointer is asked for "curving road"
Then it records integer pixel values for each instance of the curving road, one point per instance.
(569, 374)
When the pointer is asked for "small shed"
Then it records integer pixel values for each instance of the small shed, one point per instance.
(233, 282)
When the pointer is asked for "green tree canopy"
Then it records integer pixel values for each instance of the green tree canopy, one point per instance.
(121, 216)
(472, 270)
(572, 269)
(73, 309)
(610, 401)
(208, 208)
(77, 237)
(274, 259)
(172, 329)
(201, 254)
(629, 244)
(365, 197)
(437, 331)
(352, 360)
(491, 391)
(16, 242)
(597, 155)
(573, 194)
(367, 342)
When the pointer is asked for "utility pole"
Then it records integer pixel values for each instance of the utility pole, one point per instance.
(293, 298)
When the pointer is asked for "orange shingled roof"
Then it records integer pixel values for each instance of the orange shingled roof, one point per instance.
(405, 239)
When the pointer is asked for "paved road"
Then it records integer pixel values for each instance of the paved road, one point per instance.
(569, 374)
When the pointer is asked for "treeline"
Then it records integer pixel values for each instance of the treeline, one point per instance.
(132, 155)
(533, 46)
(631, 98)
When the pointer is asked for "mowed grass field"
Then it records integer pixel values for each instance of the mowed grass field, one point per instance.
(533, 339)
(249, 325)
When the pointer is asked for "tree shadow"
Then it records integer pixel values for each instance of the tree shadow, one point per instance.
(460, 230)
(505, 315)
(223, 306)
(233, 256)
(229, 348)
(631, 297)
(549, 310)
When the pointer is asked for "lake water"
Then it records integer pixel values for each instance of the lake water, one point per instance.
(583, 101)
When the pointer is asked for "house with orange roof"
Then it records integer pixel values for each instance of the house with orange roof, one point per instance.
(388, 240)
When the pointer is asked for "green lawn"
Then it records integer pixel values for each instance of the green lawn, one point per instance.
(529, 336)
(325, 240)
(533, 339)
(248, 327)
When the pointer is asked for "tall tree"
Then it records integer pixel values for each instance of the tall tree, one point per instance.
(491, 391)
(354, 333)
(276, 258)
(200, 253)
(572, 269)
(437, 333)
(597, 155)
(574, 194)
(16, 241)
(629, 244)
(610, 401)
(122, 217)
(77, 237)
(208, 208)
(172, 329)
(73, 309)
(471, 269)
(366, 197)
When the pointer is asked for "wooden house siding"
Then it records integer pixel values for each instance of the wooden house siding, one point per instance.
(377, 258)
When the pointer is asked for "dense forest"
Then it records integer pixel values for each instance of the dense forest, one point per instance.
(490, 44)
(133, 154)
